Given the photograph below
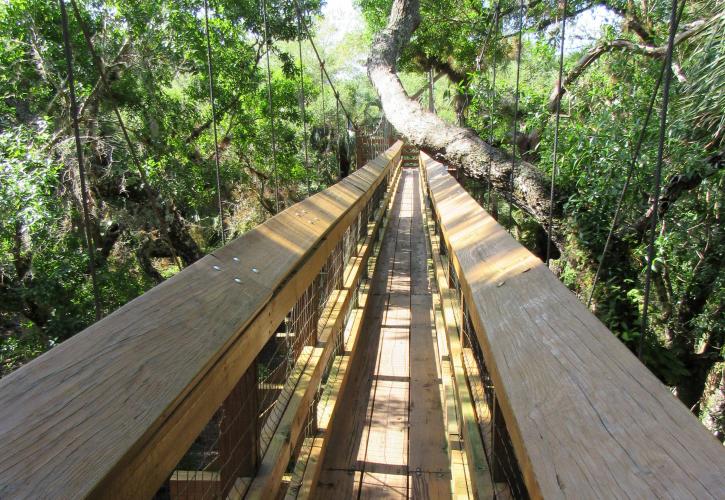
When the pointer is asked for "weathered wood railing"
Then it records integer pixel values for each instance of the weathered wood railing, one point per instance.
(231, 351)
(561, 407)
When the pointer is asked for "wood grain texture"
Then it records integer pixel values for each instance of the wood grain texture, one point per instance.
(110, 411)
(389, 439)
(477, 477)
(333, 406)
(586, 418)
(428, 463)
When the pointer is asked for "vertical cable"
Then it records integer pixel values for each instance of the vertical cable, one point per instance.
(348, 152)
(165, 232)
(322, 65)
(271, 109)
(516, 114)
(322, 97)
(625, 187)
(431, 97)
(337, 126)
(210, 69)
(556, 131)
(658, 172)
(493, 98)
(630, 172)
(302, 100)
(81, 165)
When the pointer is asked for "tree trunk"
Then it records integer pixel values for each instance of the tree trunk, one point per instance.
(454, 145)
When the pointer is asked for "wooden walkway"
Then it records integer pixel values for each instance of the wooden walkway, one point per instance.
(391, 438)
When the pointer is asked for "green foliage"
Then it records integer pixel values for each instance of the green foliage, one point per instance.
(155, 56)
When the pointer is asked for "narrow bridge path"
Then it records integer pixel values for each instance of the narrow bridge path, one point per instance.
(391, 441)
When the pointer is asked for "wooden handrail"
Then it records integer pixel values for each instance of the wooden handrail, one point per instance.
(111, 411)
(585, 417)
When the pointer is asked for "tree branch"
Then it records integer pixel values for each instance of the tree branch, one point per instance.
(671, 192)
(626, 45)
(455, 145)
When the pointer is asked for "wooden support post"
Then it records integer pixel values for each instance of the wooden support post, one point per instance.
(239, 438)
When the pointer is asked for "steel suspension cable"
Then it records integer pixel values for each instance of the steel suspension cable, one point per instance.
(493, 98)
(322, 66)
(210, 69)
(667, 79)
(322, 99)
(324, 75)
(79, 154)
(625, 187)
(271, 109)
(337, 126)
(516, 114)
(630, 173)
(557, 120)
(302, 101)
(349, 151)
(98, 63)
(490, 34)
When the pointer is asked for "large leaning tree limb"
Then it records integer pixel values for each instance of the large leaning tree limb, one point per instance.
(457, 146)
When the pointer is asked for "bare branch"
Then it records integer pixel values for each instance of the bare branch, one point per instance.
(626, 45)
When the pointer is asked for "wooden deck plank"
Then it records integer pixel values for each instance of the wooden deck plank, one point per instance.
(376, 485)
(384, 464)
(331, 408)
(399, 448)
(429, 464)
(342, 458)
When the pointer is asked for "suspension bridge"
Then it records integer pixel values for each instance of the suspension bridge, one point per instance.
(384, 337)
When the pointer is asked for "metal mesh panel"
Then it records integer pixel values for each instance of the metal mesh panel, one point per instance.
(225, 455)
(280, 361)
(331, 275)
(322, 406)
(220, 454)
(505, 472)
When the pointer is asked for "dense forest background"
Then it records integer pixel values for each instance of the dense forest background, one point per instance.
(151, 217)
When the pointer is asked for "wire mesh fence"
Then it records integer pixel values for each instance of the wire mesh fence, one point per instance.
(369, 145)
(497, 442)
(320, 411)
(224, 457)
